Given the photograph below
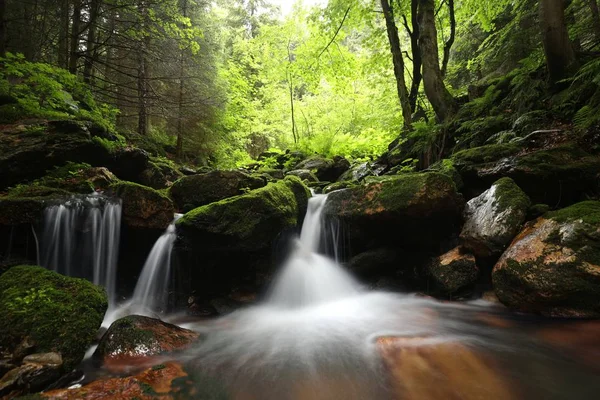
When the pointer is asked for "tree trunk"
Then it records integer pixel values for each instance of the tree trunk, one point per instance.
(63, 35)
(417, 62)
(595, 18)
(440, 98)
(392, 32)
(75, 32)
(2, 27)
(450, 41)
(142, 90)
(179, 151)
(90, 48)
(555, 38)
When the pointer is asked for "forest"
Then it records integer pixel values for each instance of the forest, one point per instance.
(299, 200)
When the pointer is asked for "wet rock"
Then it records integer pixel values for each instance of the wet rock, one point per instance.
(548, 173)
(553, 266)
(374, 262)
(144, 207)
(453, 271)
(337, 186)
(128, 163)
(198, 190)
(494, 218)
(304, 174)
(419, 208)
(15, 211)
(356, 172)
(323, 168)
(273, 173)
(58, 313)
(136, 337)
(159, 174)
(248, 222)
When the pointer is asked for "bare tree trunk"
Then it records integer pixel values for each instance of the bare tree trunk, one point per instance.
(291, 89)
(75, 32)
(417, 62)
(396, 50)
(450, 41)
(555, 38)
(142, 83)
(63, 35)
(90, 48)
(440, 98)
(595, 18)
(2, 27)
(179, 151)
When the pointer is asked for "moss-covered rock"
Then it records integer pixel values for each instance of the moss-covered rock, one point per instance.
(323, 168)
(446, 167)
(563, 174)
(417, 208)
(494, 218)
(144, 207)
(304, 174)
(15, 211)
(453, 271)
(160, 173)
(248, 222)
(356, 172)
(194, 191)
(136, 336)
(332, 187)
(56, 312)
(553, 266)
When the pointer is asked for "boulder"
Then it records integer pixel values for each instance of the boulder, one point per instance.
(356, 173)
(128, 163)
(56, 313)
(410, 209)
(136, 336)
(553, 266)
(373, 263)
(325, 169)
(144, 207)
(194, 191)
(15, 211)
(494, 218)
(248, 222)
(304, 174)
(159, 173)
(332, 187)
(548, 173)
(453, 271)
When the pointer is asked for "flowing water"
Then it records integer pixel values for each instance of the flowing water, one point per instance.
(81, 239)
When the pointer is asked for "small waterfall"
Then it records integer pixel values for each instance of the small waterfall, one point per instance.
(151, 290)
(308, 277)
(81, 239)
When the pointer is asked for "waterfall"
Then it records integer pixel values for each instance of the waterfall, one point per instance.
(151, 290)
(309, 277)
(81, 239)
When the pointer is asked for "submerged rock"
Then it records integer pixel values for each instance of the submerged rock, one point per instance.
(136, 337)
(144, 207)
(494, 218)
(453, 271)
(194, 191)
(553, 266)
(56, 313)
(418, 209)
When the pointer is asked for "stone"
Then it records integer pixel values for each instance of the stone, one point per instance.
(494, 218)
(453, 271)
(47, 359)
(325, 169)
(195, 191)
(356, 173)
(144, 207)
(553, 266)
(58, 313)
(304, 174)
(159, 174)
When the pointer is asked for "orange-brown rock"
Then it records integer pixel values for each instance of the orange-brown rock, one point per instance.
(453, 271)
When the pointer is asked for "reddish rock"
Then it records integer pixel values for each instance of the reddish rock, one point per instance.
(453, 271)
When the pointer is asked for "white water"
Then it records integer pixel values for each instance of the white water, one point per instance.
(81, 239)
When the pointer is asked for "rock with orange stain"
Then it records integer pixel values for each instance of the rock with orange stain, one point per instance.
(415, 207)
(423, 368)
(130, 341)
(155, 382)
(453, 271)
(553, 266)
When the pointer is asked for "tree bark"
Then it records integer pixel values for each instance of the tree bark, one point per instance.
(2, 27)
(417, 62)
(90, 48)
(179, 147)
(63, 35)
(396, 50)
(440, 98)
(558, 49)
(75, 32)
(595, 18)
(450, 41)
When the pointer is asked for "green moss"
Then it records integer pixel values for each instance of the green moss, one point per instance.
(485, 154)
(586, 211)
(338, 185)
(567, 158)
(158, 367)
(15, 211)
(510, 196)
(59, 313)
(125, 187)
(147, 389)
(446, 167)
(537, 210)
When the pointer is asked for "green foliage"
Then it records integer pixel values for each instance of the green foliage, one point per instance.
(45, 91)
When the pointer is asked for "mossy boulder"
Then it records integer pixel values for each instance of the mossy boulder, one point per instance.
(304, 174)
(415, 209)
(136, 336)
(194, 191)
(247, 222)
(453, 271)
(559, 174)
(15, 211)
(160, 173)
(553, 266)
(356, 173)
(144, 207)
(325, 169)
(494, 218)
(57, 313)
(332, 187)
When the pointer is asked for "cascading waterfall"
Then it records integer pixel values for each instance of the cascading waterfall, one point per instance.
(81, 239)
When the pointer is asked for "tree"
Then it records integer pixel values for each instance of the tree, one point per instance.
(440, 98)
(398, 62)
(415, 52)
(558, 49)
